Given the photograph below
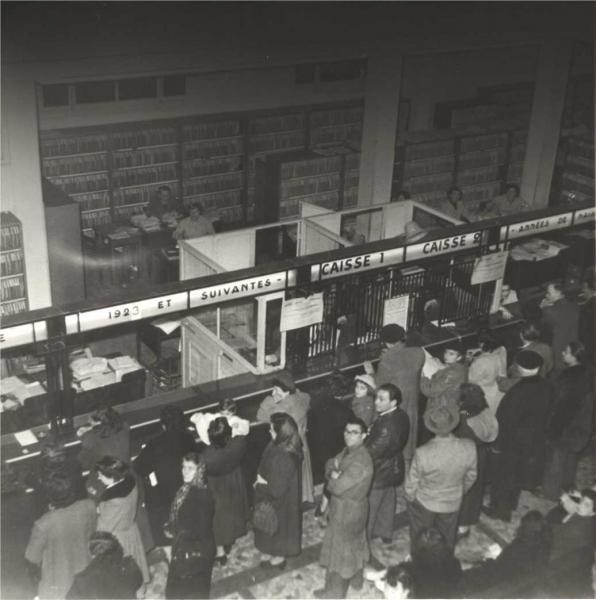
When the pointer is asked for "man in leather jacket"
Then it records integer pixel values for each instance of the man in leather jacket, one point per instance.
(386, 440)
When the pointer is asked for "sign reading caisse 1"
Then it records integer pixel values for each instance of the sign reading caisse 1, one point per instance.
(356, 264)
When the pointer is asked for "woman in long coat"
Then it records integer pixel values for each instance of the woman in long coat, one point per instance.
(571, 422)
(349, 476)
(288, 399)
(159, 464)
(478, 424)
(222, 460)
(278, 481)
(118, 507)
(191, 526)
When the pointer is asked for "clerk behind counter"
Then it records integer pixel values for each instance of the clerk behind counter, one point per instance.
(195, 225)
(165, 207)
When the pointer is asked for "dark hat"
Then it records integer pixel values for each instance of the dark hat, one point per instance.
(454, 345)
(285, 381)
(442, 419)
(529, 360)
(393, 333)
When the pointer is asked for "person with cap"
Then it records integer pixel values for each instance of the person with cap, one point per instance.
(443, 386)
(520, 446)
(402, 365)
(561, 316)
(363, 400)
(442, 471)
(287, 398)
(477, 423)
(345, 547)
(385, 442)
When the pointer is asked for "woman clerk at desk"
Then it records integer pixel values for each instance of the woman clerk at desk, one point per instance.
(195, 225)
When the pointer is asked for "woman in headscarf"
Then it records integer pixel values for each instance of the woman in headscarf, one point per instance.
(191, 529)
(286, 398)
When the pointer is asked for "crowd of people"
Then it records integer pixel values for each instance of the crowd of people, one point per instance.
(484, 418)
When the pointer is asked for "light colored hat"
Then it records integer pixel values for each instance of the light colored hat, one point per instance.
(414, 232)
(442, 419)
(367, 380)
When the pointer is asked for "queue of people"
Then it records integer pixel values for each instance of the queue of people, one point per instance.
(443, 430)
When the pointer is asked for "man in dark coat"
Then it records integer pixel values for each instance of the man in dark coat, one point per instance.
(520, 445)
(402, 366)
(587, 318)
(386, 441)
(561, 315)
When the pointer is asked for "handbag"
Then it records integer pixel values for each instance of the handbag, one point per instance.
(264, 517)
(188, 559)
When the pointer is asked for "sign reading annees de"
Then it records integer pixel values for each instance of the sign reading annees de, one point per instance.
(454, 243)
(132, 311)
(240, 289)
(354, 264)
(584, 215)
(539, 225)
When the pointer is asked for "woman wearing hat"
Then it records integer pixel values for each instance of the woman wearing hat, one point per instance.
(443, 386)
(287, 398)
(520, 445)
(442, 471)
(479, 424)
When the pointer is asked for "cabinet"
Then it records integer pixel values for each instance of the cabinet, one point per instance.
(113, 171)
(574, 176)
(65, 254)
(13, 280)
(325, 178)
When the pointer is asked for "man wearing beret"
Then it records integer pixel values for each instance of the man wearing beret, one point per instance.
(402, 366)
(521, 443)
(442, 471)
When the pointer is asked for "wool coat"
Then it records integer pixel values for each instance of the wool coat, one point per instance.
(386, 441)
(107, 579)
(569, 429)
(521, 443)
(162, 456)
(443, 387)
(226, 482)
(59, 544)
(297, 406)
(587, 327)
(281, 470)
(117, 511)
(402, 366)
(563, 320)
(194, 523)
(364, 408)
(345, 548)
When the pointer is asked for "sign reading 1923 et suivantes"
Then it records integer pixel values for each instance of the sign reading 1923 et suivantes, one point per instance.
(541, 225)
(132, 311)
(242, 288)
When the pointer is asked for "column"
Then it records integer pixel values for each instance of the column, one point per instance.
(21, 181)
(545, 121)
(381, 99)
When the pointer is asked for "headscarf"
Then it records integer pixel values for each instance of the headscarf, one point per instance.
(198, 481)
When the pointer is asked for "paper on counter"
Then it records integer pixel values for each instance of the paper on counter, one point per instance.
(26, 438)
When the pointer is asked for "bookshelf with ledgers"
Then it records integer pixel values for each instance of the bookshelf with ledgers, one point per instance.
(13, 280)
(113, 171)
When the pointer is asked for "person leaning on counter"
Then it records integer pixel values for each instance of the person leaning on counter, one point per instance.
(195, 225)
(509, 203)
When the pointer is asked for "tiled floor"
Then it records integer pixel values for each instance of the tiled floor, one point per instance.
(242, 577)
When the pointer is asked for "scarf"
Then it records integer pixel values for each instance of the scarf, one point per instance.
(198, 482)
